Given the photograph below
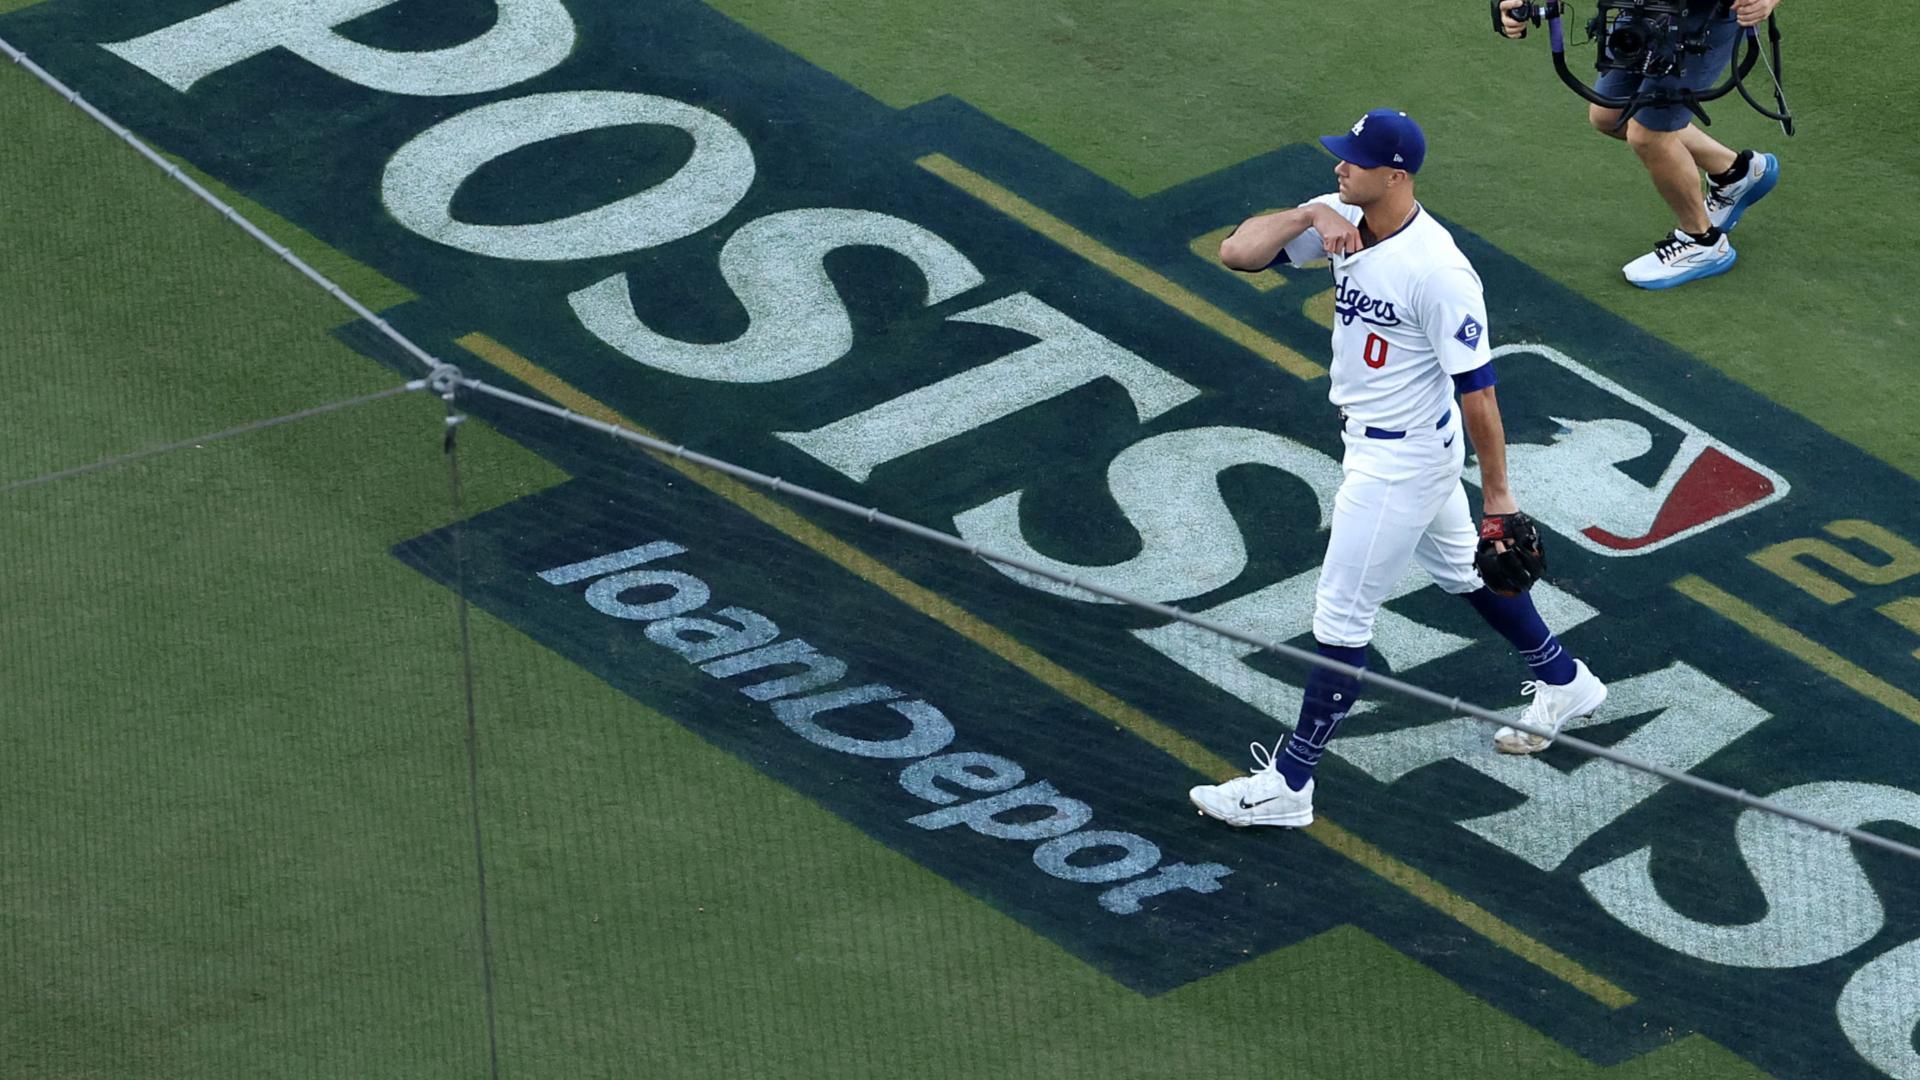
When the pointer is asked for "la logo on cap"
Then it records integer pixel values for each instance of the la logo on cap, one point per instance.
(1359, 125)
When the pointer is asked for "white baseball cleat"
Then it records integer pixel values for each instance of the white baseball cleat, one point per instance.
(1552, 707)
(1726, 204)
(1262, 798)
(1678, 259)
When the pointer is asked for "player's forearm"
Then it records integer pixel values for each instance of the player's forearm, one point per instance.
(1480, 413)
(1258, 240)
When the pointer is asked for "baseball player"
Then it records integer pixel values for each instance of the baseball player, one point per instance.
(1410, 331)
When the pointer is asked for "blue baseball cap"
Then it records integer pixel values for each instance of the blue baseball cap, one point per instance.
(1382, 137)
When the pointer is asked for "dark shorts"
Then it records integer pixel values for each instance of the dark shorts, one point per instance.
(1700, 72)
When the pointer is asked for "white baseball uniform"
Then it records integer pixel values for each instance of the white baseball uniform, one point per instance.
(1408, 316)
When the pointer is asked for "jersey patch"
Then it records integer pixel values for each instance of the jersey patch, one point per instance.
(1469, 333)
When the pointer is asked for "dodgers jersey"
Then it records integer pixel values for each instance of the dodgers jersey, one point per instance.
(1408, 312)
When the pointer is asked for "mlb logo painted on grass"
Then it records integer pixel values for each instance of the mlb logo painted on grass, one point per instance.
(1583, 479)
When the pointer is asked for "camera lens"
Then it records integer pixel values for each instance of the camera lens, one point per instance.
(1626, 42)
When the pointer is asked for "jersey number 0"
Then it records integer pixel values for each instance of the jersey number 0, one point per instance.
(1375, 353)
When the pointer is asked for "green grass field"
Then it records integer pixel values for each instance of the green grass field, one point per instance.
(239, 836)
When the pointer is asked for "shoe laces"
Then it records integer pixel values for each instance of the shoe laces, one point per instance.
(1265, 760)
(1719, 198)
(1540, 712)
(1263, 777)
(1673, 245)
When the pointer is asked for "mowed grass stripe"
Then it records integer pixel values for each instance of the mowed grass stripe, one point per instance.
(1151, 282)
(994, 640)
(1818, 656)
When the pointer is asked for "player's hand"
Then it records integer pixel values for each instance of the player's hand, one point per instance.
(1516, 28)
(1337, 234)
(1753, 12)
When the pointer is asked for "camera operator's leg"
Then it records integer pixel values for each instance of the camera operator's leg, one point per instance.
(1670, 163)
(1696, 249)
(1607, 122)
(1709, 153)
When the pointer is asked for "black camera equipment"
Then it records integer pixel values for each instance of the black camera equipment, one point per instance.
(1653, 39)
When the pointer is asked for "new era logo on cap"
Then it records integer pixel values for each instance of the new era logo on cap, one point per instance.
(1469, 333)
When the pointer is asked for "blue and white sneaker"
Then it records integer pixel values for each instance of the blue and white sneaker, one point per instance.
(1678, 259)
(1726, 204)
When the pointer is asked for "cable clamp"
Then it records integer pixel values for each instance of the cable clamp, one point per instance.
(445, 380)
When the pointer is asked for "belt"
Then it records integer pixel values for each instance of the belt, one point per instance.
(1372, 432)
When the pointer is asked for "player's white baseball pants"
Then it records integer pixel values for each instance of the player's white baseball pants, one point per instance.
(1400, 502)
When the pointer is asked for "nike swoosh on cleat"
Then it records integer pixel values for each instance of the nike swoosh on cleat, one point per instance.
(1245, 805)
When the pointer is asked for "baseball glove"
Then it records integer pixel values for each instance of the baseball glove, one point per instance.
(1513, 571)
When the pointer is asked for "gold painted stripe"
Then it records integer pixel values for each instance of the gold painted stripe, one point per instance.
(1818, 656)
(1133, 273)
(1906, 612)
(1319, 308)
(1471, 915)
(998, 642)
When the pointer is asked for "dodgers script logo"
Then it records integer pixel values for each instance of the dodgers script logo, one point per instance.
(1350, 303)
